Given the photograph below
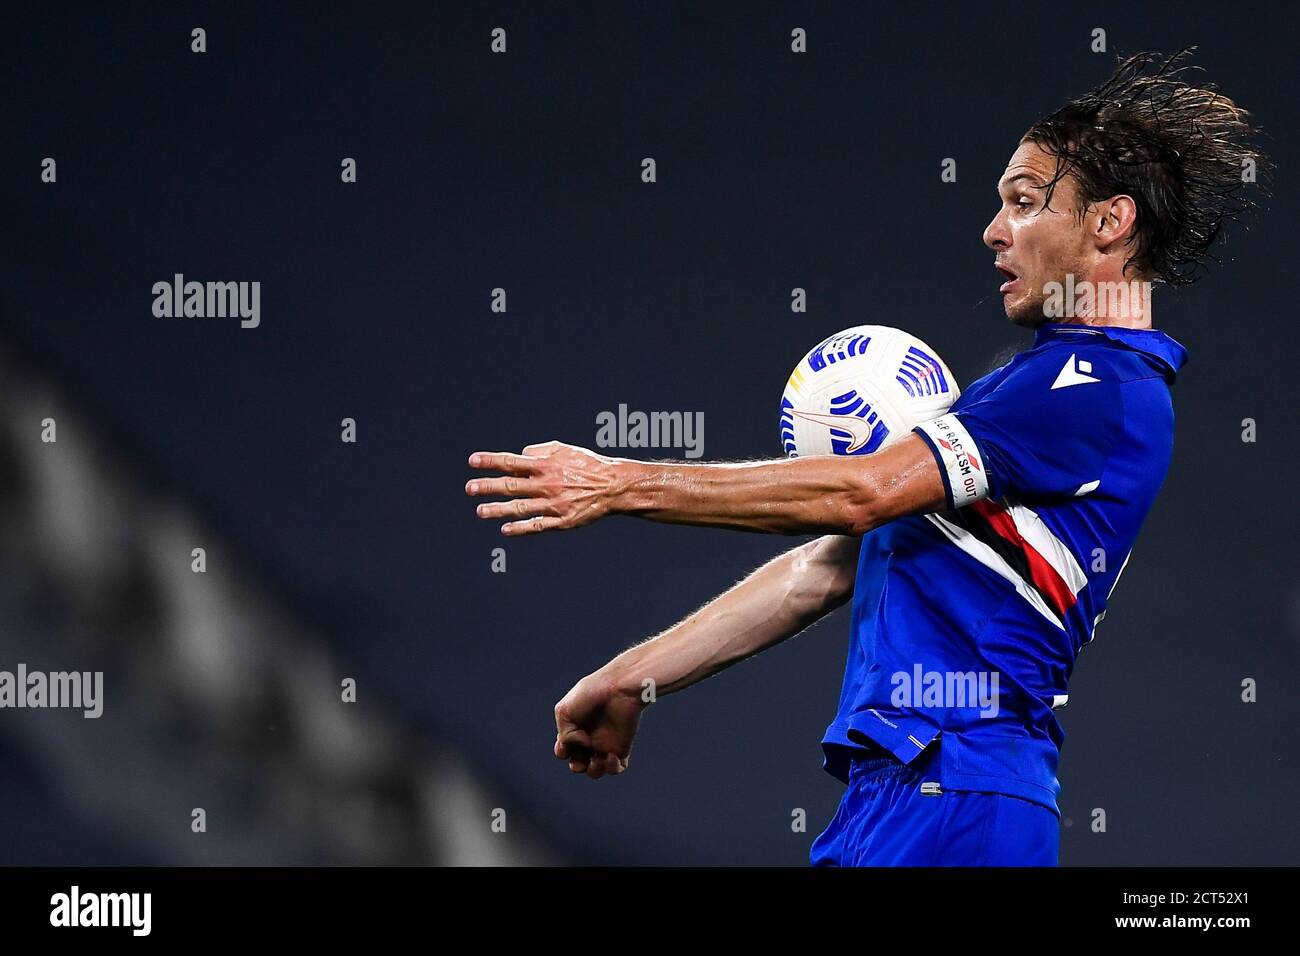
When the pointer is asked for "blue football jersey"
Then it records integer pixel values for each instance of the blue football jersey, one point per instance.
(967, 622)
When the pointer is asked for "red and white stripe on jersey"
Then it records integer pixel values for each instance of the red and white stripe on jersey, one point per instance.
(1012, 540)
(1003, 535)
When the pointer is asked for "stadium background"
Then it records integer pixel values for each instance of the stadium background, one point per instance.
(522, 171)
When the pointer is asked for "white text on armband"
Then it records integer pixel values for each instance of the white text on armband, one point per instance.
(967, 480)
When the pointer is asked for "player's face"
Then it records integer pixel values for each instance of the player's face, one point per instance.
(1034, 245)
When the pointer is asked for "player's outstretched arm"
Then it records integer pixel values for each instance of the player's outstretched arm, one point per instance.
(597, 719)
(556, 486)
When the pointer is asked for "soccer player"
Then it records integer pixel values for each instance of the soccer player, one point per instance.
(981, 549)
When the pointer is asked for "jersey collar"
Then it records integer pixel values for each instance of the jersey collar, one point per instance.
(1163, 351)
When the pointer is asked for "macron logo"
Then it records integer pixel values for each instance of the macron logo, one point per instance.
(1074, 373)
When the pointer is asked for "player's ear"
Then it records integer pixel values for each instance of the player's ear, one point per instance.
(1118, 221)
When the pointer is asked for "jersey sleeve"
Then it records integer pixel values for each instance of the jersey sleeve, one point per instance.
(1045, 432)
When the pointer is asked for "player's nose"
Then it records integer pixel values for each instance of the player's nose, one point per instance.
(996, 235)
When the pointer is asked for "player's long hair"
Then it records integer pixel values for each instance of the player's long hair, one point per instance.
(1182, 151)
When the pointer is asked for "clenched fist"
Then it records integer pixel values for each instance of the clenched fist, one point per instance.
(594, 726)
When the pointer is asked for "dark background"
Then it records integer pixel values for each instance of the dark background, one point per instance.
(522, 171)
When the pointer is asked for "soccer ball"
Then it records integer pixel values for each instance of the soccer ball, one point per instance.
(861, 389)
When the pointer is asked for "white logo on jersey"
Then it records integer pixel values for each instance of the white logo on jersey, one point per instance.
(1074, 374)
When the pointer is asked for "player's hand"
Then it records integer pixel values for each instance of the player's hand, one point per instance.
(552, 486)
(594, 726)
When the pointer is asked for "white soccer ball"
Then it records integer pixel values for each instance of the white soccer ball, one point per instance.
(862, 389)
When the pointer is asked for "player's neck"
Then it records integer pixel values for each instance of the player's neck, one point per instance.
(1117, 302)
(1121, 322)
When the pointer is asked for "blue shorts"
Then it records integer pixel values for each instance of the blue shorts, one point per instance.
(885, 819)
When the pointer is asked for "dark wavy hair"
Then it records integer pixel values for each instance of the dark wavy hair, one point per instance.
(1177, 148)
